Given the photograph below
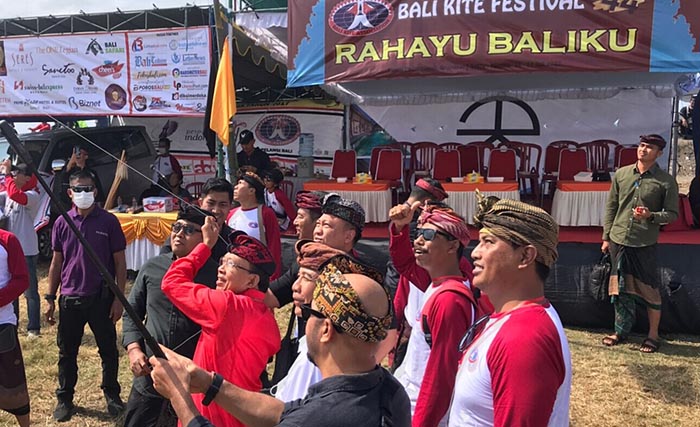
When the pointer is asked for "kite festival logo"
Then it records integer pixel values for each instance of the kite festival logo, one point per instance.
(360, 17)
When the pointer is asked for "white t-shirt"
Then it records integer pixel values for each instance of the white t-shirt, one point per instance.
(302, 375)
(516, 373)
(245, 220)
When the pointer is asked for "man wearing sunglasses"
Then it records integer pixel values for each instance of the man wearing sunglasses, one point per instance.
(347, 318)
(85, 297)
(239, 332)
(440, 317)
(517, 371)
(163, 320)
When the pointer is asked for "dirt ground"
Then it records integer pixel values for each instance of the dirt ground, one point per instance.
(686, 165)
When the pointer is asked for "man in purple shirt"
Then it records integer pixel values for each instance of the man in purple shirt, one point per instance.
(85, 297)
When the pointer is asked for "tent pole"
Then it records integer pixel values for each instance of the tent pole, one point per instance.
(673, 157)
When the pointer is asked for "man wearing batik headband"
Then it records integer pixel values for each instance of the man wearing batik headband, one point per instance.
(166, 323)
(312, 257)
(254, 218)
(445, 312)
(347, 318)
(239, 332)
(517, 372)
(642, 198)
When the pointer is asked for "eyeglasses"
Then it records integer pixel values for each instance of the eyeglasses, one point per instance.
(307, 312)
(187, 228)
(468, 338)
(429, 234)
(82, 188)
(231, 264)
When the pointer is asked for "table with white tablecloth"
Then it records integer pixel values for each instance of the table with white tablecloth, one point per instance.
(462, 196)
(374, 197)
(145, 234)
(580, 204)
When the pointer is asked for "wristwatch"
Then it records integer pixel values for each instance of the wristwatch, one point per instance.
(213, 389)
(49, 297)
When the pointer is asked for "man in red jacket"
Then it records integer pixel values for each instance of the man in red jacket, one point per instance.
(239, 332)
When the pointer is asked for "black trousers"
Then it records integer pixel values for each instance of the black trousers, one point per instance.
(148, 411)
(74, 313)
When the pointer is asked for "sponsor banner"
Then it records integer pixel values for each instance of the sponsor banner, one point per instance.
(135, 73)
(277, 128)
(621, 118)
(346, 40)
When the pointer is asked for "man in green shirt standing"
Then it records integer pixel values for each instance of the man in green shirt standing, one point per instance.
(642, 198)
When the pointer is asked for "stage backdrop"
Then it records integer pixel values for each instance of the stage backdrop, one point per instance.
(346, 40)
(144, 73)
(623, 118)
(278, 126)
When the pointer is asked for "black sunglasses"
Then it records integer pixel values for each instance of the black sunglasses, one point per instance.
(468, 338)
(188, 229)
(307, 312)
(429, 234)
(82, 188)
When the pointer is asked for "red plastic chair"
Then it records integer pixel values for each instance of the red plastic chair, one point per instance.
(390, 168)
(422, 158)
(625, 155)
(447, 164)
(502, 162)
(598, 153)
(551, 164)
(483, 149)
(195, 189)
(571, 162)
(449, 146)
(344, 164)
(288, 188)
(469, 159)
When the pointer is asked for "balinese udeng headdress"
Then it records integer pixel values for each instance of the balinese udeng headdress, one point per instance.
(520, 224)
(446, 220)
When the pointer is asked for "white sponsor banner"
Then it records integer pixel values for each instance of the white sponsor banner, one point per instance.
(161, 72)
(621, 118)
(278, 128)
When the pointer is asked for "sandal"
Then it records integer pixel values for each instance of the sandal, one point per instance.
(650, 346)
(613, 340)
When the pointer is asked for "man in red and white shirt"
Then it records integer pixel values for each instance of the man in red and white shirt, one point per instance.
(442, 316)
(517, 372)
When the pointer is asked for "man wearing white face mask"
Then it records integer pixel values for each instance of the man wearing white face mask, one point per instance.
(84, 297)
(165, 163)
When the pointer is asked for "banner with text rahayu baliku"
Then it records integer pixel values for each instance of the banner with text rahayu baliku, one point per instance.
(145, 73)
(348, 40)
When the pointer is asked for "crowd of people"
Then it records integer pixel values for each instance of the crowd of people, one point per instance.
(465, 343)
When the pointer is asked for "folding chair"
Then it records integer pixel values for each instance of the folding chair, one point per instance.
(447, 164)
(502, 163)
(344, 164)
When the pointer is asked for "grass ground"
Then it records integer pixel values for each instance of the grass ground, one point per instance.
(616, 386)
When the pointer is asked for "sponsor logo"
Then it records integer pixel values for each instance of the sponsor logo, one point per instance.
(188, 96)
(252, 225)
(193, 59)
(175, 58)
(188, 44)
(149, 61)
(113, 47)
(109, 68)
(94, 47)
(189, 108)
(56, 50)
(177, 85)
(278, 129)
(84, 78)
(189, 73)
(157, 103)
(79, 104)
(19, 59)
(36, 88)
(360, 17)
(150, 87)
(140, 103)
(473, 355)
(173, 44)
(150, 75)
(137, 45)
(58, 71)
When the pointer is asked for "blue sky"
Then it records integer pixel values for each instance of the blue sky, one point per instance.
(32, 8)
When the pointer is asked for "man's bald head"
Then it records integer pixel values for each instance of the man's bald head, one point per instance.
(371, 293)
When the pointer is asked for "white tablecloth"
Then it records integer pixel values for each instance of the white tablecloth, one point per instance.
(138, 252)
(464, 202)
(375, 203)
(579, 208)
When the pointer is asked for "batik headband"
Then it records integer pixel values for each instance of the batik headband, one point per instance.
(437, 193)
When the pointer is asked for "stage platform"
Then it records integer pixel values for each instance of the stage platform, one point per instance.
(567, 286)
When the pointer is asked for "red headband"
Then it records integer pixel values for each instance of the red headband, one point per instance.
(437, 193)
(447, 220)
(308, 200)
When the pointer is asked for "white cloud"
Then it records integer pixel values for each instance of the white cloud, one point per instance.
(33, 8)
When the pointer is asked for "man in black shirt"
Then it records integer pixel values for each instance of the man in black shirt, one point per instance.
(163, 320)
(251, 158)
